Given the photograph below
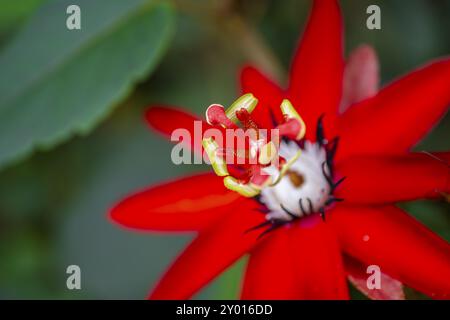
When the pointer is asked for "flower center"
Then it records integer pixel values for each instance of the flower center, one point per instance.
(300, 184)
(304, 189)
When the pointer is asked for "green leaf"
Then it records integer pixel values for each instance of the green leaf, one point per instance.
(13, 12)
(56, 82)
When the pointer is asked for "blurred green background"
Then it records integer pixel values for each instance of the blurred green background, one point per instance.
(73, 140)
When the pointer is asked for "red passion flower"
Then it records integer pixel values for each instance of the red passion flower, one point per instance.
(354, 131)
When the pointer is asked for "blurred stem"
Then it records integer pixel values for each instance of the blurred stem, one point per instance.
(227, 22)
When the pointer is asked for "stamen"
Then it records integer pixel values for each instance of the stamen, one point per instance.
(215, 115)
(244, 189)
(211, 147)
(265, 172)
(240, 172)
(259, 179)
(268, 153)
(290, 129)
(289, 113)
(287, 164)
(244, 117)
(247, 102)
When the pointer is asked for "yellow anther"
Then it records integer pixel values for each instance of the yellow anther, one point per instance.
(219, 166)
(243, 189)
(267, 153)
(289, 111)
(247, 101)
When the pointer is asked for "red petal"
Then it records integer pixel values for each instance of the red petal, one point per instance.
(361, 76)
(268, 93)
(209, 254)
(270, 273)
(398, 244)
(391, 289)
(166, 120)
(400, 115)
(186, 204)
(317, 260)
(393, 178)
(317, 69)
